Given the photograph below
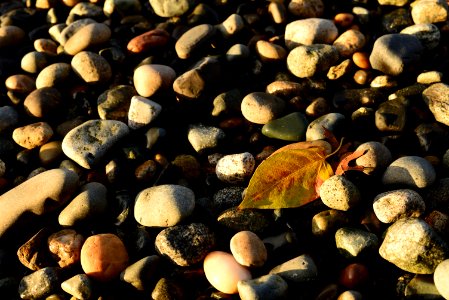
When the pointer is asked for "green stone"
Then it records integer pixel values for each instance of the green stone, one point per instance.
(291, 127)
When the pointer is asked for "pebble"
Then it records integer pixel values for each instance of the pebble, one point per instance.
(164, 205)
(65, 246)
(43, 102)
(231, 26)
(398, 3)
(237, 52)
(223, 272)
(142, 272)
(11, 35)
(392, 205)
(88, 205)
(270, 52)
(337, 192)
(340, 70)
(310, 31)
(413, 246)
(248, 249)
(171, 8)
(350, 295)
(91, 67)
(429, 11)
(152, 39)
(278, 12)
(411, 171)
(354, 242)
(32, 135)
(227, 102)
(349, 42)
(33, 253)
(79, 286)
(326, 222)
(391, 116)
(114, 103)
(261, 108)
(383, 81)
(428, 34)
(204, 137)
(291, 127)
(244, 219)
(440, 277)
(422, 286)
(151, 78)
(175, 243)
(40, 283)
(114, 8)
(306, 9)
(319, 107)
(194, 39)
(33, 62)
(104, 257)
(142, 112)
(46, 46)
(87, 143)
(20, 83)
(376, 158)
(430, 77)
(309, 60)
(361, 60)
(235, 168)
(394, 54)
(331, 121)
(265, 287)
(300, 269)
(354, 276)
(9, 118)
(54, 75)
(89, 35)
(437, 99)
(167, 289)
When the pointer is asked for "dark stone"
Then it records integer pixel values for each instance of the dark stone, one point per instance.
(391, 116)
(396, 20)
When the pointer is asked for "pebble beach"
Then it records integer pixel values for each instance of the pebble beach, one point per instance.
(130, 130)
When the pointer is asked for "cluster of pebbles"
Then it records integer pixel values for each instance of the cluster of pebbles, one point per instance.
(129, 131)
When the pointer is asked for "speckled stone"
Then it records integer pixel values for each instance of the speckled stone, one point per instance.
(91, 67)
(235, 168)
(326, 223)
(267, 287)
(291, 127)
(248, 249)
(171, 8)
(354, 242)
(142, 272)
(429, 11)
(392, 205)
(441, 277)
(142, 112)
(339, 193)
(331, 121)
(436, 97)
(349, 42)
(299, 269)
(114, 103)
(306, 9)
(430, 77)
(167, 288)
(32, 135)
(412, 171)
(261, 108)
(376, 158)
(40, 283)
(309, 60)
(79, 286)
(310, 31)
(245, 219)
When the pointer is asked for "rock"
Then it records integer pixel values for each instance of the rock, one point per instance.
(114, 103)
(354, 276)
(104, 257)
(428, 34)
(278, 12)
(9, 118)
(306, 9)
(118, 8)
(65, 246)
(140, 273)
(204, 137)
(32, 254)
(142, 112)
(392, 205)
(88, 205)
(429, 11)
(151, 78)
(261, 108)
(152, 39)
(340, 70)
(231, 26)
(167, 289)
(440, 277)
(47, 46)
(331, 121)
(354, 242)
(339, 193)
(270, 52)
(394, 54)
(411, 171)
(361, 60)
(244, 219)
(430, 77)
(291, 127)
(396, 20)
(79, 286)
(422, 286)
(349, 42)
(32, 135)
(89, 142)
(248, 249)
(84, 10)
(39, 284)
(43, 103)
(54, 75)
(223, 272)
(91, 67)
(235, 168)
(398, 3)
(319, 107)
(226, 198)
(93, 34)
(63, 33)
(299, 269)
(171, 8)
(376, 158)
(327, 222)
(437, 99)
(164, 205)
(31, 196)
(20, 83)
(227, 102)
(309, 60)
(33, 62)
(194, 39)
(11, 35)
(264, 287)
(310, 31)
(175, 243)
(237, 52)
(413, 246)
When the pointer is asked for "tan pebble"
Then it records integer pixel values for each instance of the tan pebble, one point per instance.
(269, 52)
(93, 34)
(148, 79)
(344, 19)
(248, 249)
(20, 83)
(151, 39)
(361, 60)
(319, 107)
(33, 62)
(50, 152)
(91, 67)
(223, 272)
(349, 42)
(104, 257)
(261, 108)
(32, 135)
(278, 12)
(11, 35)
(350, 295)
(285, 89)
(43, 102)
(53, 75)
(362, 77)
(45, 4)
(65, 246)
(430, 77)
(46, 46)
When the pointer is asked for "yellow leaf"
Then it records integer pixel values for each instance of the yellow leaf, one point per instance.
(287, 179)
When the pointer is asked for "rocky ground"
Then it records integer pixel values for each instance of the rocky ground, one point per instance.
(129, 131)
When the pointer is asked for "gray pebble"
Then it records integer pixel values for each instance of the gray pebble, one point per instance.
(79, 286)
(299, 269)
(226, 198)
(244, 219)
(163, 205)
(353, 242)
(40, 283)
(339, 193)
(376, 158)
(309, 60)
(235, 168)
(238, 52)
(441, 278)
(330, 121)
(266, 287)
(204, 137)
(260, 107)
(167, 289)
(9, 118)
(310, 31)
(141, 273)
(328, 221)
(392, 205)
(436, 97)
(142, 112)
(412, 171)
(152, 136)
(87, 143)
(91, 67)
(83, 10)
(428, 34)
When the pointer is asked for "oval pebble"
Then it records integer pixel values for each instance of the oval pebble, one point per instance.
(11, 35)
(339, 193)
(32, 135)
(151, 78)
(310, 31)
(193, 39)
(43, 102)
(53, 75)
(79, 286)
(308, 60)
(376, 158)
(248, 249)
(20, 83)
(142, 112)
(349, 42)
(91, 67)
(267, 287)
(260, 108)
(306, 9)
(269, 52)
(235, 168)
(413, 171)
(148, 40)
(33, 62)
(93, 34)
(393, 205)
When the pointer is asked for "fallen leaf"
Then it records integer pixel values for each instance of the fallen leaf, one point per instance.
(290, 178)
(325, 146)
(344, 166)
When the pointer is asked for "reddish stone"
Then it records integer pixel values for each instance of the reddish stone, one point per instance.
(148, 40)
(354, 275)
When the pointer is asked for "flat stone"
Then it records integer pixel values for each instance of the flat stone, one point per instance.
(151, 78)
(89, 35)
(310, 31)
(91, 67)
(299, 269)
(261, 108)
(265, 287)
(331, 121)
(79, 286)
(411, 171)
(204, 137)
(140, 273)
(194, 39)
(291, 127)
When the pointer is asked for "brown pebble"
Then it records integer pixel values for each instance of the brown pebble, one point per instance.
(146, 171)
(43, 102)
(71, 3)
(50, 152)
(344, 20)
(354, 275)
(33, 62)
(318, 107)
(20, 83)
(361, 60)
(32, 135)
(362, 77)
(349, 42)
(248, 249)
(151, 39)
(65, 246)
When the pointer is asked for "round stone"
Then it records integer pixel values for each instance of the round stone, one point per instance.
(91, 67)
(349, 42)
(339, 193)
(413, 171)
(291, 127)
(151, 78)
(308, 60)
(33, 62)
(260, 108)
(93, 34)
(65, 246)
(248, 249)
(376, 158)
(22, 84)
(11, 35)
(269, 52)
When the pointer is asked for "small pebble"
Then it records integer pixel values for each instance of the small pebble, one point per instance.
(354, 275)
(46, 46)
(309, 60)
(376, 158)
(350, 295)
(54, 75)
(429, 11)
(423, 287)
(310, 31)
(291, 127)
(349, 42)
(354, 242)
(65, 246)
(235, 168)
(22, 84)
(331, 121)
(11, 35)
(151, 78)
(269, 52)
(427, 33)
(265, 287)
(339, 193)
(193, 39)
(204, 137)
(231, 25)
(152, 39)
(393, 205)
(167, 289)
(142, 112)
(327, 222)
(89, 35)
(114, 103)
(437, 99)
(32, 135)
(430, 77)
(170, 8)
(140, 273)
(33, 62)
(261, 108)
(79, 286)
(91, 67)
(306, 9)
(361, 60)
(248, 249)
(43, 102)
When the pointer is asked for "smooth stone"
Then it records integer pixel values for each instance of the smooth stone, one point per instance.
(32, 135)
(354, 242)
(46, 46)
(392, 205)
(91, 67)
(203, 137)
(244, 219)
(104, 257)
(151, 78)
(152, 39)
(385, 81)
(422, 287)
(84, 10)
(164, 205)
(238, 52)
(167, 289)
(54, 75)
(412, 171)
(11, 35)
(88, 205)
(376, 159)
(278, 12)
(63, 32)
(65, 246)
(394, 54)
(441, 277)
(175, 243)
(310, 31)
(114, 103)
(89, 142)
(306, 9)
(267, 287)
(235, 168)
(79, 286)
(350, 295)
(306, 61)
(231, 25)
(340, 70)
(227, 102)
(140, 273)
(429, 77)
(120, 8)
(20, 83)
(223, 272)
(327, 222)
(194, 39)
(171, 8)
(339, 193)
(43, 102)
(248, 249)
(398, 3)
(413, 246)
(270, 52)
(153, 135)
(299, 269)
(331, 121)
(189, 166)
(93, 34)
(429, 11)
(226, 198)
(285, 89)
(349, 42)
(40, 283)
(436, 98)
(142, 112)
(291, 127)
(428, 34)
(9, 118)
(317, 108)
(261, 108)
